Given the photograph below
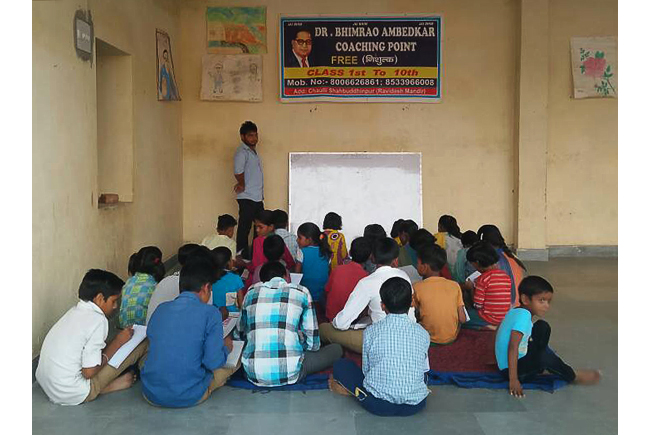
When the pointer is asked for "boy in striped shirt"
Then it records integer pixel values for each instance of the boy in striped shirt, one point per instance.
(490, 293)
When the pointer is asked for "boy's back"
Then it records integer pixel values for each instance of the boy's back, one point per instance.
(438, 300)
(492, 295)
(395, 359)
(185, 346)
(74, 342)
(339, 286)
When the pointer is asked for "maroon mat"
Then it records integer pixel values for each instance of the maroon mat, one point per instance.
(472, 352)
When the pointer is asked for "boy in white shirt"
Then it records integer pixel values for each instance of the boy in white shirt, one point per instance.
(365, 295)
(225, 231)
(73, 364)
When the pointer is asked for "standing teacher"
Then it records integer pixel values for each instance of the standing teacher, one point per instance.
(250, 184)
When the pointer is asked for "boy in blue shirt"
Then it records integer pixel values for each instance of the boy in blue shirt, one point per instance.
(395, 359)
(187, 350)
(521, 347)
(226, 291)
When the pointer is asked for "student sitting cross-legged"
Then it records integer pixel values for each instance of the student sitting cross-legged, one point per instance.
(392, 380)
(438, 301)
(365, 295)
(521, 347)
(187, 350)
(225, 231)
(73, 364)
(279, 325)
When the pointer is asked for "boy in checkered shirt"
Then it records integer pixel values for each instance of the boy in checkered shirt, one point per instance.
(392, 380)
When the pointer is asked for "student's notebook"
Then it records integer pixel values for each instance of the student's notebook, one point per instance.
(296, 278)
(235, 353)
(474, 276)
(230, 323)
(139, 334)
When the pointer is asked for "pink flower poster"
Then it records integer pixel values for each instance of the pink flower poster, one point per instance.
(594, 62)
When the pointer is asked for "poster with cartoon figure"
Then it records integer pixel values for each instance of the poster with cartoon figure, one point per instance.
(231, 78)
(167, 88)
(594, 62)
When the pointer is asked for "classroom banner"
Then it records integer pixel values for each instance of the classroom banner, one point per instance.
(368, 59)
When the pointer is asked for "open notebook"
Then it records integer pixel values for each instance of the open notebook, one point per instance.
(139, 334)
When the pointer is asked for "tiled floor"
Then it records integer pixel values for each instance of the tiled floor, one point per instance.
(584, 320)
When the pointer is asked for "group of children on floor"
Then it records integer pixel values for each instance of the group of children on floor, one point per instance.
(361, 300)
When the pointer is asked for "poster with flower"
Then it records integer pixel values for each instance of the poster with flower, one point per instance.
(594, 62)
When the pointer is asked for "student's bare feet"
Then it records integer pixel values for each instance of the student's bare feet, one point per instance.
(336, 387)
(587, 377)
(120, 383)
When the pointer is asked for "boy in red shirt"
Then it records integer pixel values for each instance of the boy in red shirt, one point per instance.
(490, 292)
(345, 277)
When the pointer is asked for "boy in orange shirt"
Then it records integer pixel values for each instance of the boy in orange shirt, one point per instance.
(438, 301)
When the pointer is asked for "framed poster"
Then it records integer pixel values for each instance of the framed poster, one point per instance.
(165, 77)
(360, 58)
(594, 64)
(231, 77)
(235, 30)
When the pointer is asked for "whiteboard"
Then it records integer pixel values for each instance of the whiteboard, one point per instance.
(364, 188)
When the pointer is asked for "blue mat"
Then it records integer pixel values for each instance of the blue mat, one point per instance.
(548, 383)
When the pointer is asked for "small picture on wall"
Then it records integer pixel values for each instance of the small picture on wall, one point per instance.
(165, 78)
(232, 77)
(594, 62)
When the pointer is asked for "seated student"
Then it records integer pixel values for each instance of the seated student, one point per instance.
(392, 380)
(448, 238)
(394, 231)
(273, 251)
(332, 225)
(73, 364)
(344, 278)
(423, 238)
(313, 261)
(462, 268)
(365, 295)
(167, 288)
(279, 325)
(521, 347)
(225, 231)
(438, 301)
(229, 287)
(281, 222)
(147, 270)
(407, 256)
(187, 350)
(508, 262)
(263, 227)
(490, 293)
(372, 233)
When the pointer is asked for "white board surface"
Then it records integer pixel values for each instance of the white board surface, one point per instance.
(364, 188)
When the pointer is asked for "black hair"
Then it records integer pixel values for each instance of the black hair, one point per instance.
(97, 281)
(280, 219)
(266, 217)
(421, 239)
(272, 269)
(221, 256)
(247, 127)
(302, 29)
(147, 260)
(394, 231)
(491, 234)
(185, 251)
(396, 295)
(409, 227)
(469, 238)
(332, 221)
(360, 250)
(273, 247)
(482, 253)
(374, 232)
(311, 231)
(433, 256)
(385, 251)
(225, 221)
(449, 224)
(195, 274)
(533, 285)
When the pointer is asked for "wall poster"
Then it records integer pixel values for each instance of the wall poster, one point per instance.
(594, 63)
(234, 30)
(362, 59)
(231, 77)
(167, 88)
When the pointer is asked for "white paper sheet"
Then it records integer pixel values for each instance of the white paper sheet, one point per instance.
(296, 278)
(230, 323)
(233, 356)
(139, 334)
(474, 276)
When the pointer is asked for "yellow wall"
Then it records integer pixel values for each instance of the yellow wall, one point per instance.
(469, 135)
(583, 135)
(69, 233)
